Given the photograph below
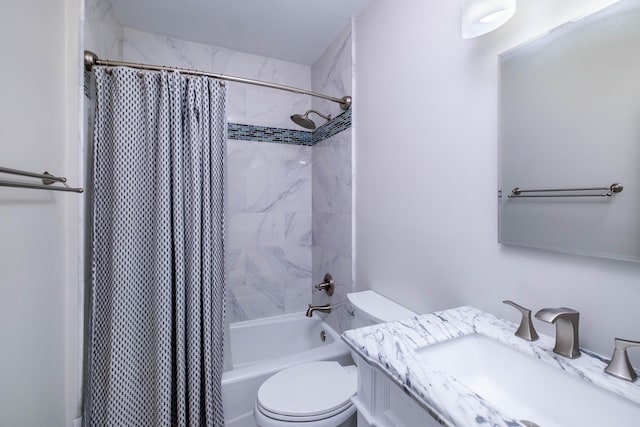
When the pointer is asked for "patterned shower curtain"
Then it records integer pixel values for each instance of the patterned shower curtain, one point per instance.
(157, 297)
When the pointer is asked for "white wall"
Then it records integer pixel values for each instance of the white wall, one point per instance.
(39, 229)
(426, 175)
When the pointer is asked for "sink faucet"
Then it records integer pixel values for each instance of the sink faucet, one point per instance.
(322, 308)
(566, 321)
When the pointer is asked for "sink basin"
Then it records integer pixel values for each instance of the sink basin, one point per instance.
(526, 388)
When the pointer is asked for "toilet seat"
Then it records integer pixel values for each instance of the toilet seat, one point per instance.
(305, 419)
(308, 392)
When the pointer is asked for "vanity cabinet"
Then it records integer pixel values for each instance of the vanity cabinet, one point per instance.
(382, 403)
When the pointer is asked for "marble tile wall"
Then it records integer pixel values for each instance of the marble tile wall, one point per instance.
(331, 74)
(102, 30)
(332, 184)
(268, 246)
(251, 105)
(331, 223)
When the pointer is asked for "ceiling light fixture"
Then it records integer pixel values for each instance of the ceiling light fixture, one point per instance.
(483, 16)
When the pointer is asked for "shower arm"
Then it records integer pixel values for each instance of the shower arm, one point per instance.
(327, 117)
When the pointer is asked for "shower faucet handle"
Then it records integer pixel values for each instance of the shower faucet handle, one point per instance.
(327, 285)
(526, 331)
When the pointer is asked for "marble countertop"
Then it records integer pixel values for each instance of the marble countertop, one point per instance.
(392, 346)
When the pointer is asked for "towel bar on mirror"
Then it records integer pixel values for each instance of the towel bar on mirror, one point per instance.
(610, 191)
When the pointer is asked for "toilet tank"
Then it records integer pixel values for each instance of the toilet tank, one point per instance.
(370, 308)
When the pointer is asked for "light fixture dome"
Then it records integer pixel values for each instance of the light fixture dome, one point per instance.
(483, 16)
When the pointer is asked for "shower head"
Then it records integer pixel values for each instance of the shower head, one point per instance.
(304, 120)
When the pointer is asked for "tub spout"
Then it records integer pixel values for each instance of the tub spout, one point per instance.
(323, 308)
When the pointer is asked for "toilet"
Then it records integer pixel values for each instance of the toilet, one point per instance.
(318, 394)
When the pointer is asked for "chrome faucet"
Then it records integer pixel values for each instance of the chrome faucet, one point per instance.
(566, 321)
(322, 308)
(620, 366)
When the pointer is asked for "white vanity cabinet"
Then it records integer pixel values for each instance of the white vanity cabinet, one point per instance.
(382, 403)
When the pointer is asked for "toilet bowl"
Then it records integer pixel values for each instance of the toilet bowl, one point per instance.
(318, 394)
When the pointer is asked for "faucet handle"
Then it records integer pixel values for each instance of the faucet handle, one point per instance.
(526, 331)
(620, 366)
(327, 285)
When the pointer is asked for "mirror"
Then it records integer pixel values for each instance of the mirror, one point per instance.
(570, 119)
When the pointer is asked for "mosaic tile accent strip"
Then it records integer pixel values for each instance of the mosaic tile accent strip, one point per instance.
(269, 134)
(289, 136)
(337, 125)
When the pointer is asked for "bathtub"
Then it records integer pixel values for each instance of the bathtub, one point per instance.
(260, 348)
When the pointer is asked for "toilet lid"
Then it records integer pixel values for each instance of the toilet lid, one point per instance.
(309, 390)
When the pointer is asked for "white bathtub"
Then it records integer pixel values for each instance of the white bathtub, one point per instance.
(260, 348)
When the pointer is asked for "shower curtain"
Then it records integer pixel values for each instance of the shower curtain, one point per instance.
(157, 295)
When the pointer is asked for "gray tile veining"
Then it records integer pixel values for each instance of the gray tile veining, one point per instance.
(268, 250)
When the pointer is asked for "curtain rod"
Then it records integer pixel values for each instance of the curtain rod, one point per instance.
(91, 59)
